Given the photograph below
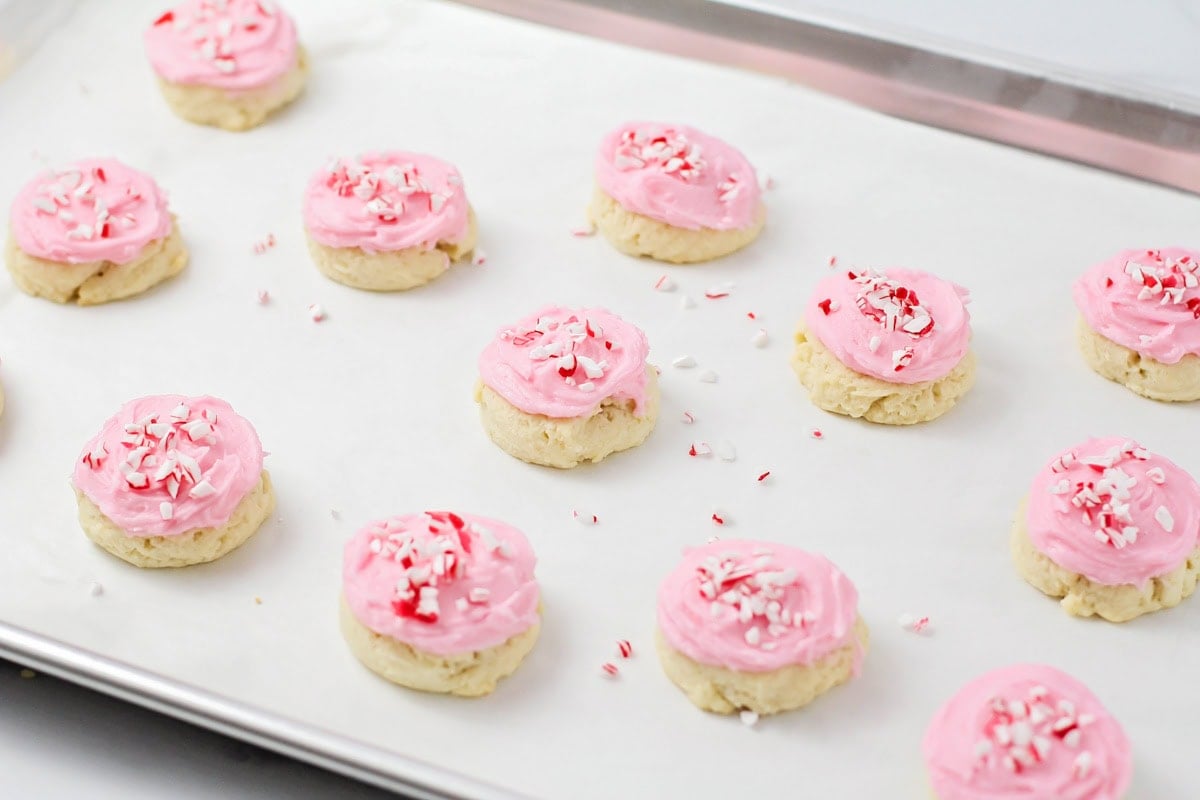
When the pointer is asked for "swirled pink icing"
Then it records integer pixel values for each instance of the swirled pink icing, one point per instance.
(385, 202)
(441, 582)
(678, 175)
(1114, 512)
(1026, 732)
(757, 606)
(1146, 300)
(229, 44)
(563, 362)
(900, 326)
(94, 210)
(169, 464)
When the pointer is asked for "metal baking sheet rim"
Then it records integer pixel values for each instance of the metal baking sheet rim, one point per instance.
(1148, 138)
(191, 704)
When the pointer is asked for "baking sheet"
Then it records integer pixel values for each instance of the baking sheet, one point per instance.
(370, 413)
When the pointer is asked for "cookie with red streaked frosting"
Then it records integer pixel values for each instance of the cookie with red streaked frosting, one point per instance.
(171, 481)
(1140, 321)
(440, 602)
(387, 221)
(1026, 732)
(758, 626)
(565, 386)
(226, 63)
(675, 194)
(891, 347)
(90, 233)
(1112, 529)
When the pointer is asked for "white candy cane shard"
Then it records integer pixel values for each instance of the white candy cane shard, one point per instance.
(759, 339)
(683, 362)
(725, 450)
(708, 376)
(749, 718)
(686, 302)
(1162, 515)
(166, 510)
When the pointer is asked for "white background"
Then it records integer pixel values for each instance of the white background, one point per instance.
(370, 414)
(1142, 49)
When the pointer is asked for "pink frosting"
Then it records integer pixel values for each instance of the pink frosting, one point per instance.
(94, 210)
(900, 326)
(757, 606)
(386, 202)
(168, 464)
(1026, 732)
(441, 582)
(230, 44)
(1146, 300)
(563, 362)
(1114, 512)
(678, 175)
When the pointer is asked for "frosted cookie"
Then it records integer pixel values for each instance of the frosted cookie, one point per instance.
(94, 232)
(1140, 321)
(440, 602)
(758, 626)
(171, 481)
(1112, 529)
(674, 194)
(566, 386)
(387, 221)
(890, 347)
(1026, 732)
(226, 63)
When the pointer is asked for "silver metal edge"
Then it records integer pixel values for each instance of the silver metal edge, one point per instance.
(197, 706)
(1050, 115)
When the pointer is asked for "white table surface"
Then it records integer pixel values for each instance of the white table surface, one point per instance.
(1115, 44)
(57, 740)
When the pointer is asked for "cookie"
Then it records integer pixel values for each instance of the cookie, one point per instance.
(387, 221)
(1140, 321)
(889, 347)
(758, 626)
(171, 481)
(675, 194)
(1112, 529)
(1026, 732)
(226, 63)
(564, 386)
(440, 602)
(92, 233)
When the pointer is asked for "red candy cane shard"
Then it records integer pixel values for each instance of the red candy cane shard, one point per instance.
(816, 433)
(764, 476)
(624, 648)
(609, 669)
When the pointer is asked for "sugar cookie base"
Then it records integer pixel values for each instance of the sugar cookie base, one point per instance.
(835, 387)
(1083, 598)
(471, 674)
(95, 282)
(390, 271)
(1178, 382)
(193, 547)
(724, 691)
(235, 110)
(567, 443)
(638, 235)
